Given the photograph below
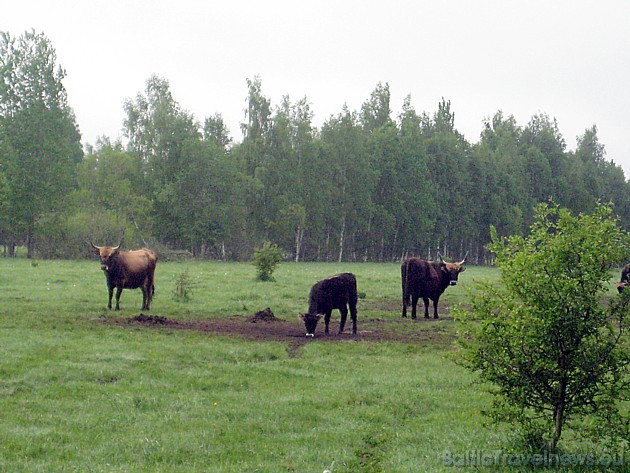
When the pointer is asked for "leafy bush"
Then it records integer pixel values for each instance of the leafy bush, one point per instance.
(545, 339)
(183, 286)
(266, 259)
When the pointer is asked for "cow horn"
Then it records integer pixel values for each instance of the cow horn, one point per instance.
(122, 241)
(441, 257)
(464, 260)
(93, 245)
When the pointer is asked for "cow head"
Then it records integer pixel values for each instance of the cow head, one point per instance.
(106, 253)
(453, 269)
(621, 286)
(310, 323)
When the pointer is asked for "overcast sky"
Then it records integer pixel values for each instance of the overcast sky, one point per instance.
(569, 59)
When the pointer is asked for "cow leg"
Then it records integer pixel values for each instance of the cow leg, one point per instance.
(145, 296)
(405, 303)
(110, 289)
(426, 307)
(119, 290)
(327, 319)
(414, 304)
(435, 304)
(147, 287)
(344, 315)
(150, 291)
(353, 316)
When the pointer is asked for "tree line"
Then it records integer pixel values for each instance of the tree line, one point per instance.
(365, 186)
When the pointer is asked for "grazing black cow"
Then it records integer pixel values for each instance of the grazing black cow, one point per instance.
(625, 273)
(621, 286)
(427, 280)
(335, 292)
(128, 270)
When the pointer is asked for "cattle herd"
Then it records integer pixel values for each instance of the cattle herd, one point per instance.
(420, 279)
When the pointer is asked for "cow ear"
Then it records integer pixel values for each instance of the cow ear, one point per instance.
(302, 316)
(319, 316)
(462, 269)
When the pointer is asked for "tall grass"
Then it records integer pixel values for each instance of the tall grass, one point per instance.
(77, 394)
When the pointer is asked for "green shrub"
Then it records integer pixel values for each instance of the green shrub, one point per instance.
(183, 289)
(554, 350)
(266, 259)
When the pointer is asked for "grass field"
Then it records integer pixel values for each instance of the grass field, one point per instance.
(78, 393)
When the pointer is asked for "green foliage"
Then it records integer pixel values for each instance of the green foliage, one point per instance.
(266, 259)
(366, 186)
(554, 352)
(40, 139)
(183, 287)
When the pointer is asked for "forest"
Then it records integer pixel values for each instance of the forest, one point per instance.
(365, 186)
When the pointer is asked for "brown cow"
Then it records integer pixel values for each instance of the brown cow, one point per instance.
(427, 280)
(335, 292)
(128, 270)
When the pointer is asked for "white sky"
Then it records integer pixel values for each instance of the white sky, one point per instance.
(569, 59)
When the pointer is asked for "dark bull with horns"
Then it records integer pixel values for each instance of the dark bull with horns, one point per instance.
(128, 270)
(427, 280)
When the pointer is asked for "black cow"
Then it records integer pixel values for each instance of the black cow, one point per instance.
(625, 273)
(427, 280)
(621, 286)
(335, 292)
(128, 270)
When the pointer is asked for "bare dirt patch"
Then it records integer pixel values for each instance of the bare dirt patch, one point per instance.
(265, 326)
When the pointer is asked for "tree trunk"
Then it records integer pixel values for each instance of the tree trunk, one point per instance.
(382, 252)
(30, 244)
(327, 246)
(558, 416)
(341, 236)
(558, 421)
(299, 235)
(369, 229)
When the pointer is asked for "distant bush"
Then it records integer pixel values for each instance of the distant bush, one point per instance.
(183, 286)
(266, 259)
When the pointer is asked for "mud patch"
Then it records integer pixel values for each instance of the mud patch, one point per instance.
(149, 319)
(266, 326)
(264, 316)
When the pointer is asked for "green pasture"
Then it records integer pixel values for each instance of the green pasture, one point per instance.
(80, 394)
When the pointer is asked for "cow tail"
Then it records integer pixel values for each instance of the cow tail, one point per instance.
(406, 284)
